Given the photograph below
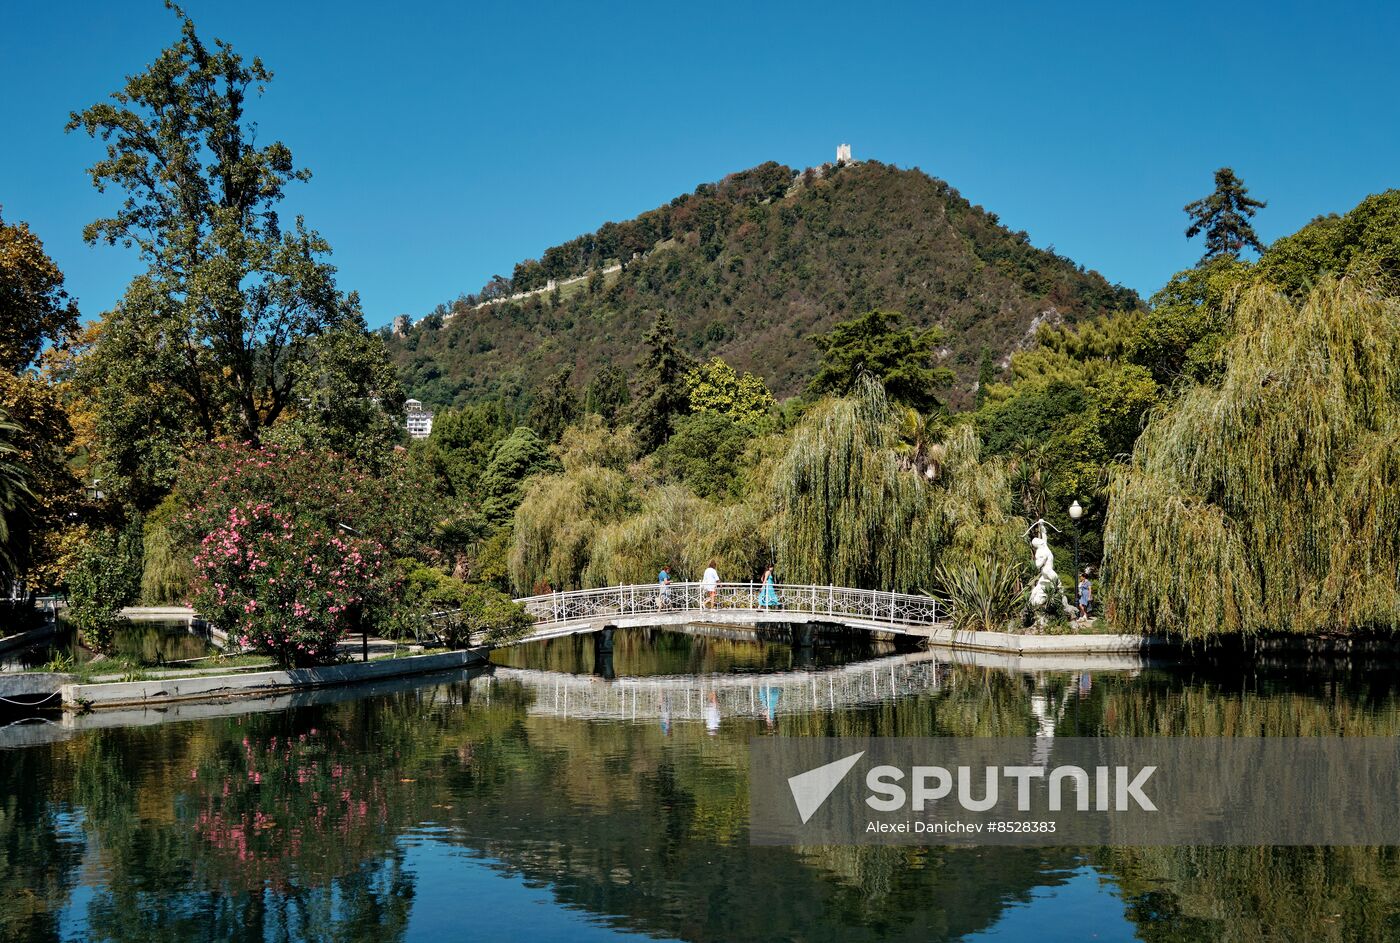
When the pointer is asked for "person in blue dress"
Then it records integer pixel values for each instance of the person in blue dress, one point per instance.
(768, 597)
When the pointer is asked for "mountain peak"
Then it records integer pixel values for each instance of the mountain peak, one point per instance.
(750, 267)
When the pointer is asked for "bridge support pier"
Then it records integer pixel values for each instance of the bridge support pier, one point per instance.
(603, 653)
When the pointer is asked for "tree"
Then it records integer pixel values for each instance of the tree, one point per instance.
(1191, 320)
(40, 442)
(14, 493)
(106, 577)
(1363, 243)
(664, 374)
(607, 394)
(515, 458)
(1224, 218)
(986, 376)
(1268, 501)
(460, 446)
(704, 452)
(348, 399)
(34, 308)
(851, 512)
(555, 407)
(715, 387)
(878, 343)
(206, 341)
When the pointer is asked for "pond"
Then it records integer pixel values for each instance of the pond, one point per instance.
(150, 642)
(540, 801)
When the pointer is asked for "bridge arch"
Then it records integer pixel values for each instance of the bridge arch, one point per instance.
(591, 610)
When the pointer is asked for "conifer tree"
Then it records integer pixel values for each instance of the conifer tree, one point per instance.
(1224, 218)
(665, 391)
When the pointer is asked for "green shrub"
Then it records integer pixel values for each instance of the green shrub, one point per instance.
(106, 577)
(458, 613)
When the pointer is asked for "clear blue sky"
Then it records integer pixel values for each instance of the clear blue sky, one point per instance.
(450, 140)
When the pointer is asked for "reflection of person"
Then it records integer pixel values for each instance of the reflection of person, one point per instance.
(768, 598)
(665, 714)
(709, 585)
(663, 595)
(712, 714)
(1086, 596)
(768, 697)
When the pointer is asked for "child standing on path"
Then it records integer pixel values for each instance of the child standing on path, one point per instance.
(1086, 596)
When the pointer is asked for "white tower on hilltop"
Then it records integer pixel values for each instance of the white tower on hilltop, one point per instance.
(843, 153)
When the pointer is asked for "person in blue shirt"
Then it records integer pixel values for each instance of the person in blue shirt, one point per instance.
(1086, 596)
(663, 582)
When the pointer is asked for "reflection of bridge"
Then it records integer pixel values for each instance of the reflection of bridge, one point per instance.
(592, 610)
(712, 697)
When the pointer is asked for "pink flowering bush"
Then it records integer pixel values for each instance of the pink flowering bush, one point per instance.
(322, 487)
(287, 586)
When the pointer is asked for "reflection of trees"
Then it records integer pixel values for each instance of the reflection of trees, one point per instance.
(663, 652)
(38, 860)
(289, 825)
(1259, 894)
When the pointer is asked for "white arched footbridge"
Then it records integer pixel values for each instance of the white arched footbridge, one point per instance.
(742, 604)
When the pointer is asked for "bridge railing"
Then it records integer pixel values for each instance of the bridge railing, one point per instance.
(866, 604)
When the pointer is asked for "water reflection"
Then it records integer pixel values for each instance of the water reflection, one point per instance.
(149, 642)
(403, 814)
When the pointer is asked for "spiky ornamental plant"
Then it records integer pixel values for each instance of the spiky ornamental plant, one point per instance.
(1271, 501)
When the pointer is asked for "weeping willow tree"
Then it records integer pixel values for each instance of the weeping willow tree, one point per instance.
(1270, 501)
(853, 512)
(557, 524)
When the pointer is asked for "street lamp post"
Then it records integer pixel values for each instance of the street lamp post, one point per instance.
(1075, 513)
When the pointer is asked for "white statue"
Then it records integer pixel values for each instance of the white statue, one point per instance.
(1048, 581)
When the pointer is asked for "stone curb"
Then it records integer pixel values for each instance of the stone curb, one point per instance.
(261, 684)
(1017, 644)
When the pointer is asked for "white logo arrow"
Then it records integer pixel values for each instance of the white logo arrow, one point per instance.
(810, 789)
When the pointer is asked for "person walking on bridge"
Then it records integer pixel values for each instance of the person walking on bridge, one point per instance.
(709, 586)
(768, 596)
(663, 594)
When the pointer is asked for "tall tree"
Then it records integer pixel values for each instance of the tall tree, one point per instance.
(986, 376)
(607, 393)
(515, 458)
(34, 308)
(555, 406)
(206, 340)
(1224, 218)
(38, 491)
(879, 344)
(664, 373)
(14, 493)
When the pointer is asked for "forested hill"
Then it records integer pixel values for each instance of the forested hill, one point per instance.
(750, 268)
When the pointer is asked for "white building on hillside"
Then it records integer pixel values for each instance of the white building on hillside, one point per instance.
(419, 419)
(843, 154)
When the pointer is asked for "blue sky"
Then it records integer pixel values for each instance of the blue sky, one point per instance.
(450, 140)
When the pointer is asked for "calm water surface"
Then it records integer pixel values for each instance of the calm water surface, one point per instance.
(543, 801)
